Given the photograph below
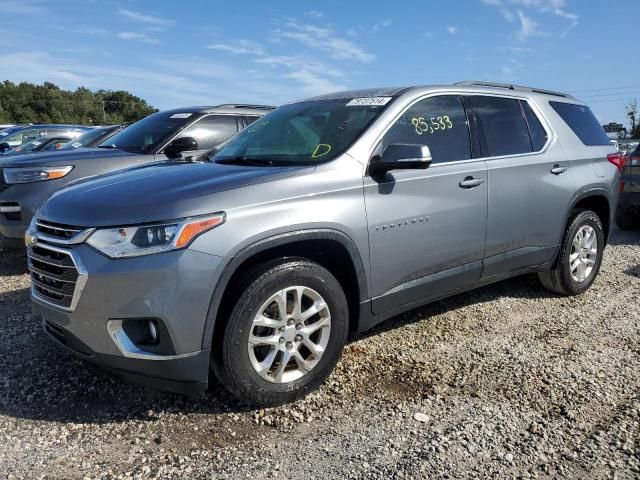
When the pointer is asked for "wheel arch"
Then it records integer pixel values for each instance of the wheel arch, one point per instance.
(321, 245)
(597, 200)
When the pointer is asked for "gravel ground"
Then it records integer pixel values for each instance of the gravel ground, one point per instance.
(507, 381)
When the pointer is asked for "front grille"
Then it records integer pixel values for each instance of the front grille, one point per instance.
(53, 274)
(58, 230)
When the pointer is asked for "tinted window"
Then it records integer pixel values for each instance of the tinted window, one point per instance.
(150, 132)
(21, 136)
(503, 128)
(92, 137)
(211, 130)
(303, 133)
(583, 123)
(250, 119)
(537, 131)
(437, 122)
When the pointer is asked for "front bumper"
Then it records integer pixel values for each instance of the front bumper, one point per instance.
(173, 288)
(26, 196)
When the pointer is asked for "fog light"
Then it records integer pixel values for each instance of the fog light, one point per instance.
(152, 332)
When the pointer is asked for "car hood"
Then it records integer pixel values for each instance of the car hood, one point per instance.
(60, 157)
(159, 192)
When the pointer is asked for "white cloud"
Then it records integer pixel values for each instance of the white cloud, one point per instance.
(314, 14)
(452, 30)
(555, 7)
(239, 47)
(146, 18)
(141, 37)
(514, 11)
(324, 39)
(312, 83)
(528, 27)
(380, 25)
(22, 7)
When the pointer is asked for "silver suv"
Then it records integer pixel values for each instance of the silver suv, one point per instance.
(325, 217)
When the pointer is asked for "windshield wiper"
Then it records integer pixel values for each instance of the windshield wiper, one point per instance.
(242, 160)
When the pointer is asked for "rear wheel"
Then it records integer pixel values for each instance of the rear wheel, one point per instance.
(285, 333)
(580, 255)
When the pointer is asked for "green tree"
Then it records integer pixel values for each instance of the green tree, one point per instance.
(48, 103)
(632, 113)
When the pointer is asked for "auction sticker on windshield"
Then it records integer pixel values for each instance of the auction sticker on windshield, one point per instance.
(181, 115)
(368, 101)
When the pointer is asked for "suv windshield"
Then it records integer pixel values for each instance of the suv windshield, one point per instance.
(303, 133)
(88, 138)
(148, 133)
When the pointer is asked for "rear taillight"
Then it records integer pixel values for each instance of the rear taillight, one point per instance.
(616, 159)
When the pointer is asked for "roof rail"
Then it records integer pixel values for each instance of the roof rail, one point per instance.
(245, 105)
(476, 83)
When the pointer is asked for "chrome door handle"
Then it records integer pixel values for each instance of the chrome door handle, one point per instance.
(470, 182)
(558, 169)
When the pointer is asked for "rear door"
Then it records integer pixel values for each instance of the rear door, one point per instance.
(427, 227)
(530, 184)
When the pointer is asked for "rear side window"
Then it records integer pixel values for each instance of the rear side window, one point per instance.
(583, 123)
(437, 122)
(537, 131)
(502, 125)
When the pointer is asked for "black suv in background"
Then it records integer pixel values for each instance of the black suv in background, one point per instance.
(184, 133)
(628, 212)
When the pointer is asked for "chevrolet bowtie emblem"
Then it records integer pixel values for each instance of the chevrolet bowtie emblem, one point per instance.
(30, 239)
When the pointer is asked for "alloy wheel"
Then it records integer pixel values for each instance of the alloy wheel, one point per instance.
(289, 334)
(584, 253)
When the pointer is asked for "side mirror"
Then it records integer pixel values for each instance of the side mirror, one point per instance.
(4, 147)
(400, 156)
(179, 145)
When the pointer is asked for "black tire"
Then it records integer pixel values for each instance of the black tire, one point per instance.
(559, 278)
(232, 363)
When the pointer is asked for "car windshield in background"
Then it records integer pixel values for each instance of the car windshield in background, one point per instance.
(29, 146)
(303, 133)
(88, 138)
(13, 136)
(148, 133)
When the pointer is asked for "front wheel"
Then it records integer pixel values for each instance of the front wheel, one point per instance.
(285, 334)
(580, 255)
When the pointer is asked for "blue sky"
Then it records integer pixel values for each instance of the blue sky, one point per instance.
(208, 52)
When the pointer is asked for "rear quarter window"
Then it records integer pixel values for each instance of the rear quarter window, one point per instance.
(583, 122)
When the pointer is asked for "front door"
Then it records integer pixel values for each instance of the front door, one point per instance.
(427, 227)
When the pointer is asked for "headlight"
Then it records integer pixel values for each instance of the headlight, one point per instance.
(34, 174)
(146, 239)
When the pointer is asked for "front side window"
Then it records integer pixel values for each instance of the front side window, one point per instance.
(502, 126)
(211, 130)
(303, 133)
(439, 123)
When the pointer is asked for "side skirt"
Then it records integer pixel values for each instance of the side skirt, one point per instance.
(368, 319)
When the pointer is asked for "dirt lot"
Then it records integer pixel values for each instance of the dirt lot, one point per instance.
(504, 382)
